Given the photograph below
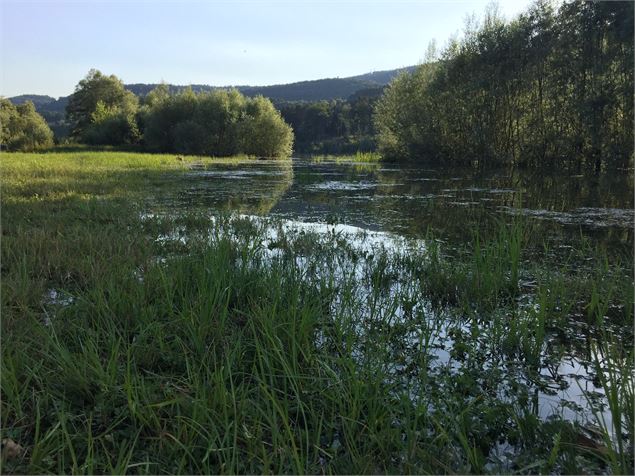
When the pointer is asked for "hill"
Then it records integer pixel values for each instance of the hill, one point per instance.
(316, 90)
(36, 99)
(313, 90)
(42, 102)
(383, 77)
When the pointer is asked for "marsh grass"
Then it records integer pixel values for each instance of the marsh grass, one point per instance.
(358, 157)
(144, 342)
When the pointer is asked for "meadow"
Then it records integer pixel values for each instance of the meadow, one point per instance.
(138, 339)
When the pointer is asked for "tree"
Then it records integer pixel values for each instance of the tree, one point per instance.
(22, 128)
(111, 126)
(405, 117)
(115, 122)
(263, 132)
(553, 86)
(162, 117)
(219, 113)
(220, 123)
(337, 126)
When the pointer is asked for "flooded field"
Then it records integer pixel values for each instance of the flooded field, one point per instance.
(315, 317)
(392, 314)
(362, 210)
(411, 201)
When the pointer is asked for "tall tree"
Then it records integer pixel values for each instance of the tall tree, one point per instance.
(552, 86)
(263, 132)
(101, 110)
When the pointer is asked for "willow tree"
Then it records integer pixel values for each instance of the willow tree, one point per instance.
(263, 132)
(551, 87)
(218, 123)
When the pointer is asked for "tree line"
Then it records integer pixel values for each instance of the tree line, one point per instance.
(102, 112)
(553, 86)
(220, 122)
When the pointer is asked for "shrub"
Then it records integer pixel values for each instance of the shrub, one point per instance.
(22, 128)
(219, 123)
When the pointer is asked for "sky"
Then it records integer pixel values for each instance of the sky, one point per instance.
(47, 46)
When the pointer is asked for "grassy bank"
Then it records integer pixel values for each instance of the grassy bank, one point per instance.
(150, 342)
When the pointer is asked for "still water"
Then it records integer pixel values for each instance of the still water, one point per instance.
(411, 201)
(397, 206)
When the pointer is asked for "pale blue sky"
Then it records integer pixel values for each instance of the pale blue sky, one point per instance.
(49, 45)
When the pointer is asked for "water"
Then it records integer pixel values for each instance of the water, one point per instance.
(560, 388)
(393, 208)
(411, 200)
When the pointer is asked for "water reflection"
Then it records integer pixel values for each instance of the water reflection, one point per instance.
(244, 187)
(411, 200)
(388, 322)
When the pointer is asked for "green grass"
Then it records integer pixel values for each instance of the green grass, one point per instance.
(184, 344)
(370, 157)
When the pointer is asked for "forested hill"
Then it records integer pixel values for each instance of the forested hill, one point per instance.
(318, 90)
(41, 102)
(315, 90)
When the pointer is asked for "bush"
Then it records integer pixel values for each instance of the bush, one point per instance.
(220, 123)
(263, 132)
(22, 128)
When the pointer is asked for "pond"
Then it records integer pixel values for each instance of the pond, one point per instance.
(411, 200)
